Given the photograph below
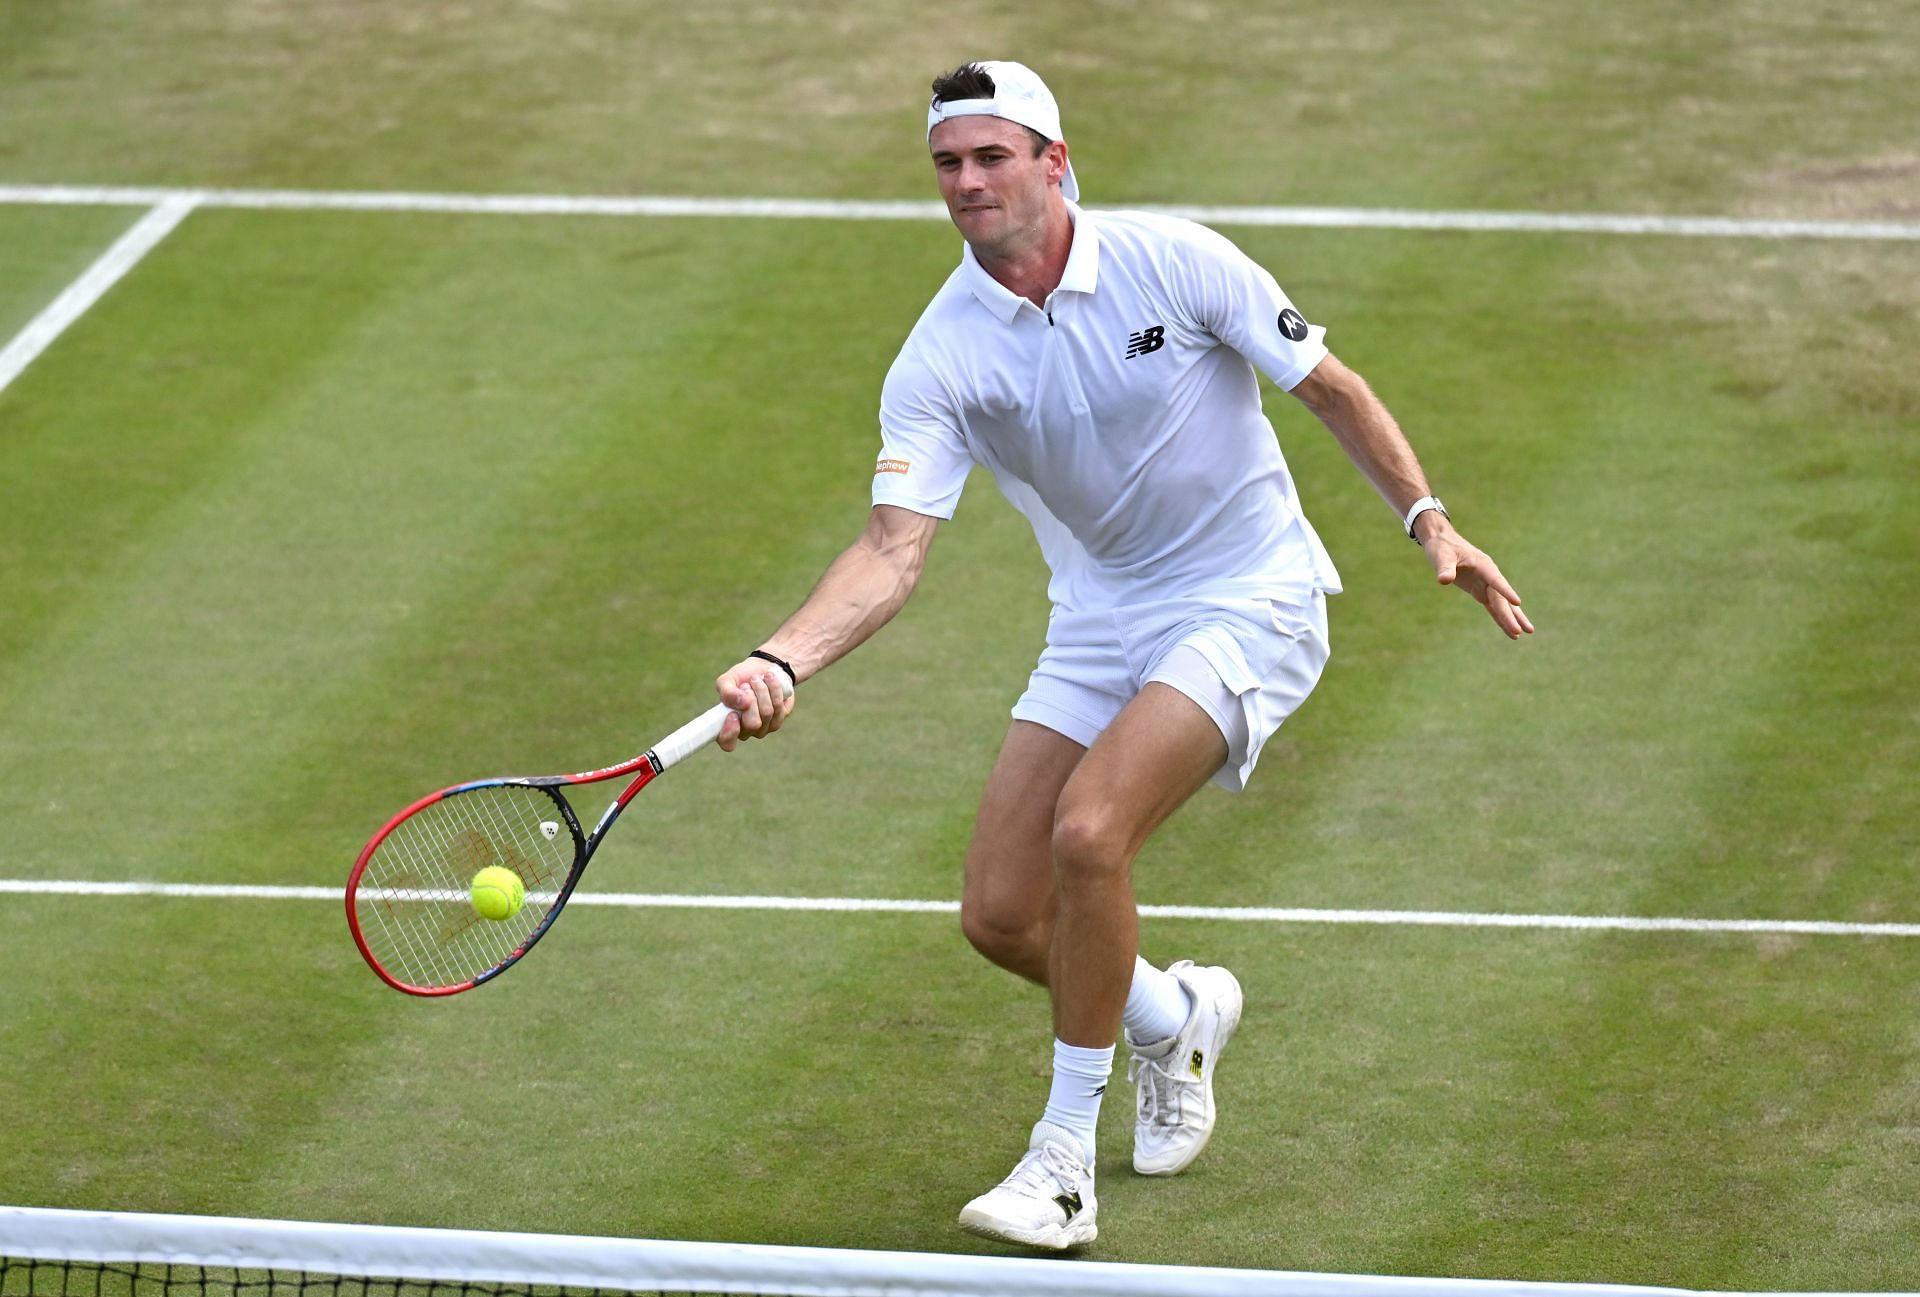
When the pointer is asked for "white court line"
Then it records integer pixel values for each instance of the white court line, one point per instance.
(829, 209)
(168, 206)
(168, 210)
(1229, 914)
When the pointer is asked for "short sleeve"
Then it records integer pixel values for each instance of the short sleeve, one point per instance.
(924, 458)
(1233, 297)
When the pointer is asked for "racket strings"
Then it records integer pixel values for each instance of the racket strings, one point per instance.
(415, 903)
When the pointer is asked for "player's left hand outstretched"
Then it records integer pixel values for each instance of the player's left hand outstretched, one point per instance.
(1455, 562)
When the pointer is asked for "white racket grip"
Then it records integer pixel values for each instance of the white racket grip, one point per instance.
(695, 734)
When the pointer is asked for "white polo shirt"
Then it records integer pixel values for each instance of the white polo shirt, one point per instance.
(1123, 420)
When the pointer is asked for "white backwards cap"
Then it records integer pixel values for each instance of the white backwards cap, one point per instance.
(1019, 95)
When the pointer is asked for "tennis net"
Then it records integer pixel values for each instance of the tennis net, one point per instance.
(55, 1253)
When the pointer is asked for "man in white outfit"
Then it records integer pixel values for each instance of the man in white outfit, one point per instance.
(1102, 367)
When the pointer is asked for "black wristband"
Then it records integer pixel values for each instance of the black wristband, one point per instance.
(765, 656)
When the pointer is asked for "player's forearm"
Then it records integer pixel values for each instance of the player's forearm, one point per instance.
(859, 593)
(1366, 430)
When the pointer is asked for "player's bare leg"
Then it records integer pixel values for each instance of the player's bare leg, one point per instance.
(1007, 905)
(1157, 753)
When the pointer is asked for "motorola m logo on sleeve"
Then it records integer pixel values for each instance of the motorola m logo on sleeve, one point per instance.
(1151, 338)
(1293, 325)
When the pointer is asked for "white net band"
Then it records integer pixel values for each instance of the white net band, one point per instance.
(539, 1261)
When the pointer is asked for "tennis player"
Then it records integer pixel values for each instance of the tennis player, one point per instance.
(1102, 366)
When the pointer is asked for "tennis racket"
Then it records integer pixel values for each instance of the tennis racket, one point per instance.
(409, 898)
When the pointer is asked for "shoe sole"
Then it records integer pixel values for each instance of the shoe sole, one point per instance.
(1232, 1024)
(1055, 1238)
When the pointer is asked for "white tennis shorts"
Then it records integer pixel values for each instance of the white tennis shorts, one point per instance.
(1248, 663)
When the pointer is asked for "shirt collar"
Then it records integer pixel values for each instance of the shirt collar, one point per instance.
(1081, 275)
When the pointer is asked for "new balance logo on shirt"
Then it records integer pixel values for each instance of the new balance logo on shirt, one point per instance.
(1148, 339)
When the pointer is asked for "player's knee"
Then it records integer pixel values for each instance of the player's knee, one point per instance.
(1089, 847)
(998, 932)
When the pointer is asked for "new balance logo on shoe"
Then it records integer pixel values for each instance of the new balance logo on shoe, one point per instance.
(1070, 1203)
(1199, 1063)
(1147, 340)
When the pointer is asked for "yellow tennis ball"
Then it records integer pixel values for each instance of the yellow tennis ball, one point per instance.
(498, 893)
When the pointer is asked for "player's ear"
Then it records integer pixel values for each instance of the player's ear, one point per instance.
(1056, 155)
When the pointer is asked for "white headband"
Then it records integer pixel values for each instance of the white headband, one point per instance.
(1019, 96)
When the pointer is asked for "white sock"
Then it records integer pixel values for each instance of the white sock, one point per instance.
(1079, 1079)
(1157, 1005)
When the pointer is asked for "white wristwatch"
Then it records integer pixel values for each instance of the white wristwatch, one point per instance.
(1420, 506)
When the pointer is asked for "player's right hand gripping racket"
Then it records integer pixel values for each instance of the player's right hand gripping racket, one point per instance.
(409, 898)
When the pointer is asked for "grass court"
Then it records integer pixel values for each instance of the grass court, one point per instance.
(318, 510)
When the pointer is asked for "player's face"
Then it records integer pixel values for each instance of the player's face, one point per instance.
(995, 188)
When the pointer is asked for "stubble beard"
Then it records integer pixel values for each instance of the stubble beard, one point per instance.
(1003, 237)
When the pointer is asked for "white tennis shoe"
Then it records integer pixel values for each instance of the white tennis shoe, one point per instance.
(1048, 1200)
(1174, 1115)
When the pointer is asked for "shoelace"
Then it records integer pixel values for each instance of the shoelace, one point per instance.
(1160, 1085)
(1046, 1170)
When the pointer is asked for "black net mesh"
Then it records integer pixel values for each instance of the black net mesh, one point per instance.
(415, 900)
(142, 1279)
